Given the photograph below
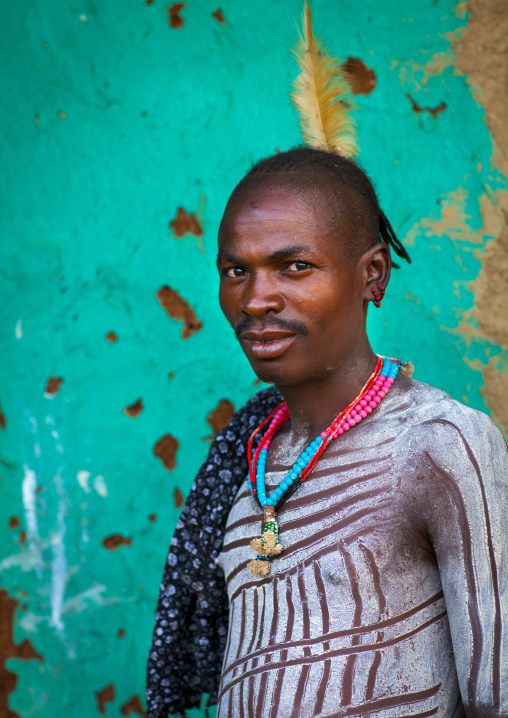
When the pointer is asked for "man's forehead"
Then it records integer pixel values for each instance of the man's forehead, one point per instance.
(286, 207)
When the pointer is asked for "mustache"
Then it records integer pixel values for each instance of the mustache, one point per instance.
(252, 324)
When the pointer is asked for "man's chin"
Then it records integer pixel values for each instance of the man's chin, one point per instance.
(269, 373)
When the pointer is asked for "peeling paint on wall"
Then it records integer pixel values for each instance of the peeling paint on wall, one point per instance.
(165, 449)
(219, 16)
(105, 695)
(220, 417)
(133, 705)
(111, 543)
(178, 308)
(361, 77)
(178, 498)
(185, 223)
(175, 20)
(134, 409)
(53, 385)
(8, 649)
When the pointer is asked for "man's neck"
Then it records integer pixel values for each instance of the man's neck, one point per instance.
(313, 405)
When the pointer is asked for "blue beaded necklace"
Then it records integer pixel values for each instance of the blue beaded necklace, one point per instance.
(268, 546)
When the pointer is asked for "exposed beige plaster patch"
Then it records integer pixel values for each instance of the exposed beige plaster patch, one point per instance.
(482, 55)
(491, 290)
(452, 221)
(437, 63)
(495, 391)
(461, 9)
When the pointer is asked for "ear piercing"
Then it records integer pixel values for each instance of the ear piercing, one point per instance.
(378, 297)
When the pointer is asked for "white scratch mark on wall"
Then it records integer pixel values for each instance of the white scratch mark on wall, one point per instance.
(18, 330)
(59, 573)
(92, 597)
(29, 495)
(100, 486)
(82, 477)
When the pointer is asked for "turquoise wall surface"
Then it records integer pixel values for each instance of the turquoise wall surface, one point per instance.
(114, 351)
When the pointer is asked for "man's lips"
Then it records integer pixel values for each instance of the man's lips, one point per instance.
(268, 344)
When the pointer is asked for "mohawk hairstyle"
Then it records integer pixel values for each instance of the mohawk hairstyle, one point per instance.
(305, 166)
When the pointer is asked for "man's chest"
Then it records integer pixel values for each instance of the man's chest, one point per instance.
(351, 526)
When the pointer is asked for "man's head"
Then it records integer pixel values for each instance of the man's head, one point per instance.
(299, 252)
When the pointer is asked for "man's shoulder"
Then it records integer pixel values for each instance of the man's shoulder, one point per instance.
(434, 413)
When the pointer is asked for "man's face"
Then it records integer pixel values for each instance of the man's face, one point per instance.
(286, 286)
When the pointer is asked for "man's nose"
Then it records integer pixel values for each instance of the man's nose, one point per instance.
(261, 296)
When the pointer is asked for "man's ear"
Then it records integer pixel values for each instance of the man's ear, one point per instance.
(377, 265)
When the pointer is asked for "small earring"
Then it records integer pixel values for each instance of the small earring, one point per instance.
(378, 297)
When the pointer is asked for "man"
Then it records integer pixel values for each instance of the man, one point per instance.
(389, 596)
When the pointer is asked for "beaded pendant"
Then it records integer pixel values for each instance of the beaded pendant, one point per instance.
(267, 546)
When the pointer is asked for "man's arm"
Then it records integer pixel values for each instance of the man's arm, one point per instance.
(464, 501)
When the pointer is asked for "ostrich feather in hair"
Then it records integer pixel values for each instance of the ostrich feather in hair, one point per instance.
(322, 95)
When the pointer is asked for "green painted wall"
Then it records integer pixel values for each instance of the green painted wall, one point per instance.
(111, 121)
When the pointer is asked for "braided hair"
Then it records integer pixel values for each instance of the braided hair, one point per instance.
(309, 168)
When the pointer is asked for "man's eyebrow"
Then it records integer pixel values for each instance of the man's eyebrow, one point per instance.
(223, 256)
(290, 251)
(294, 249)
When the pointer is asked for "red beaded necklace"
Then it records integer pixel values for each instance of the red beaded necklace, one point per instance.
(367, 399)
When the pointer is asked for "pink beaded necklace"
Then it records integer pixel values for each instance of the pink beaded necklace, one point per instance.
(268, 546)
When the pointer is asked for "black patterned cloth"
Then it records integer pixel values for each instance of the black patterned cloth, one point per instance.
(191, 622)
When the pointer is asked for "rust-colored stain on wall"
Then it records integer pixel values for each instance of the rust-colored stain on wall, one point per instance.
(53, 385)
(220, 417)
(106, 695)
(174, 18)
(434, 111)
(185, 223)
(152, 518)
(111, 543)
(178, 498)
(3, 420)
(361, 77)
(165, 450)
(120, 633)
(179, 308)
(133, 705)
(219, 16)
(22, 537)
(13, 522)
(111, 337)
(8, 649)
(134, 409)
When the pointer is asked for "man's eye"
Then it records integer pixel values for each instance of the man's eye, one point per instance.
(297, 266)
(235, 272)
